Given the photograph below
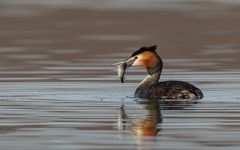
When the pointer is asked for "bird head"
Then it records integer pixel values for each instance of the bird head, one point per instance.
(144, 57)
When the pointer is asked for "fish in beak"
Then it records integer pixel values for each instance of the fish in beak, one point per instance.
(121, 71)
(122, 66)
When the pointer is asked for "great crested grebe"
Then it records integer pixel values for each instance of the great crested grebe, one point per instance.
(150, 87)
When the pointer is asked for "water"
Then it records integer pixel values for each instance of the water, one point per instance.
(59, 90)
(86, 115)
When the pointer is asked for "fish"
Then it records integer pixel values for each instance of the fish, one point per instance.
(121, 71)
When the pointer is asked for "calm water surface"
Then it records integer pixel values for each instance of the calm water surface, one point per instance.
(102, 114)
(59, 90)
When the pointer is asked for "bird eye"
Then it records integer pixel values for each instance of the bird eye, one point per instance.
(136, 58)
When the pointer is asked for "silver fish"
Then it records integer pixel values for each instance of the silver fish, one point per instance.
(121, 71)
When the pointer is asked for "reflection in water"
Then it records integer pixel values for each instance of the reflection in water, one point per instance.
(146, 125)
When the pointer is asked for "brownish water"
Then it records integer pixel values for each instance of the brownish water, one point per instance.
(59, 89)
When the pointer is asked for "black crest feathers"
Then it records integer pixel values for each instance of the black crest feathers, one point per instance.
(143, 49)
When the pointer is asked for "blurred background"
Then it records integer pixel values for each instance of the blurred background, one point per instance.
(49, 39)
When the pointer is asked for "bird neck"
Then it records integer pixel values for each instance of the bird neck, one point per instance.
(153, 73)
(142, 88)
(150, 79)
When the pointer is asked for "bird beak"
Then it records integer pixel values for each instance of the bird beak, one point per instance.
(129, 62)
(119, 63)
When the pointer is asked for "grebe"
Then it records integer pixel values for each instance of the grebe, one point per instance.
(150, 88)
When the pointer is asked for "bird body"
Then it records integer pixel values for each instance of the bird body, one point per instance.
(169, 90)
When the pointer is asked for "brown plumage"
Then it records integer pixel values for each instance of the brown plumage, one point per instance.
(169, 90)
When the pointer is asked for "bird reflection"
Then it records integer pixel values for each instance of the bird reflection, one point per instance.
(146, 124)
